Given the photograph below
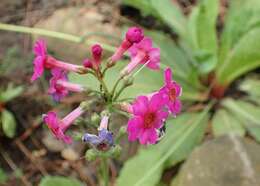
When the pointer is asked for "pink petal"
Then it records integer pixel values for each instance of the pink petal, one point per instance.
(156, 102)
(168, 76)
(140, 105)
(154, 58)
(38, 68)
(134, 128)
(175, 107)
(146, 44)
(148, 136)
(161, 116)
(40, 48)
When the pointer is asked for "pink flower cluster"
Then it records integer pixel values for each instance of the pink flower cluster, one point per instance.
(150, 112)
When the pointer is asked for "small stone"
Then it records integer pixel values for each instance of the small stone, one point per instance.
(52, 143)
(225, 161)
(70, 154)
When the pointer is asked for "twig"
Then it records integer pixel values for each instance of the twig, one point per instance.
(13, 166)
(30, 157)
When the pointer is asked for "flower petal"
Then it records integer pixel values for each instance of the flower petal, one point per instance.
(156, 102)
(38, 67)
(140, 105)
(148, 136)
(134, 127)
(168, 76)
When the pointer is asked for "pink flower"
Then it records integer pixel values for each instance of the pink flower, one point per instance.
(148, 118)
(171, 91)
(133, 35)
(58, 127)
(41, 55)
(43, 60)
(143, 53)
(59, 85)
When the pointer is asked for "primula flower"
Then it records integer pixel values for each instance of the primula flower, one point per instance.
(43, 60)
(104, 140)
(59, 85)
(59, 127)
(143, 53)
(133, 35)
(170, 92)
(148, 118)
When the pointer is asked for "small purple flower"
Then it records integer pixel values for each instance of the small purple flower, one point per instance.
(171, 92)
(104, 140)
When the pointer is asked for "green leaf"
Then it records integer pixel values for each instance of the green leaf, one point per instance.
(182, 135)
(59, 180)
(251, 86)
(248, 114)
(202, 34)
(171, 14)
(224, 123)
(145, 82)
(8, 123)
(244, 57)
(10, 93)
(174, 57)
(3, 176)
(241, 18)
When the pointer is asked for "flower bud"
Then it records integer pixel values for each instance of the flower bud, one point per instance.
(116, 151)
(134, 35)
(128, 81)
(87, 63)
(91, 155)
(95, 119)
(96, 52)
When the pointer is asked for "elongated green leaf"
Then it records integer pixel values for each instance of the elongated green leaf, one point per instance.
(225, 123)
(243, 58)
(184, 73)
(10, 93)
(59, 181)
(171, 14)
(8, 123)
(182, 135)
(242, 17)
(202, 34)
(251, 86)
(248, 114)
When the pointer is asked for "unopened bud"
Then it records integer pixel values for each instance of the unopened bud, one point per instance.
(116, 151)
(91, 154)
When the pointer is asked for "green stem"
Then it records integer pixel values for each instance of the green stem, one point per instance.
(105, 171)
(119, 92)
(54, 34)
(116, 84)
(104, 86)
